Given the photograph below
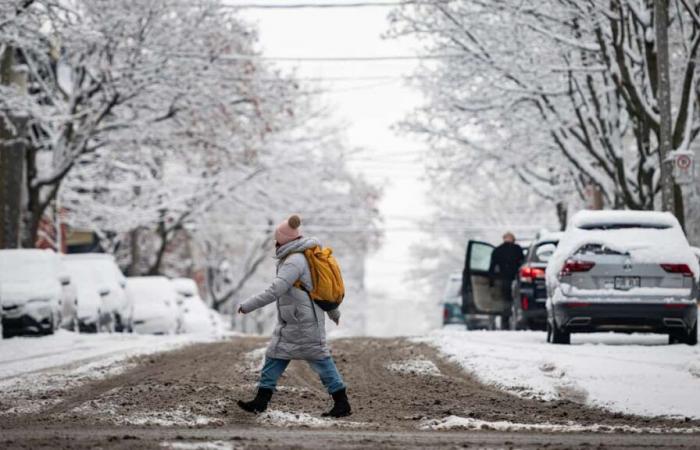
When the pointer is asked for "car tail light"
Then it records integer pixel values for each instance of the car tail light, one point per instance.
(529, 274)
(524, 302)
(682, 269)
(572, 266)
(445, 313)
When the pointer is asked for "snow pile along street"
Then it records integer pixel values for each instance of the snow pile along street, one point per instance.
(34, 370)
(468, 423)
(637, 374)
(29, 354)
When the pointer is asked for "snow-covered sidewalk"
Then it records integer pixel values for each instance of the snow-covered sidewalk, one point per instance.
(637, 374)
(30, 354)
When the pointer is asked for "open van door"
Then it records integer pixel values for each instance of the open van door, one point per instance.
(477, 296)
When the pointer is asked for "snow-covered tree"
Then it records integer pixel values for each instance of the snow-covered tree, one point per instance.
(562, 93)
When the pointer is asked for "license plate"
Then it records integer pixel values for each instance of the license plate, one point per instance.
(627, 283)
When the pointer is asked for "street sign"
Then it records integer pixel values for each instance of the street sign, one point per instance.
(683, 167)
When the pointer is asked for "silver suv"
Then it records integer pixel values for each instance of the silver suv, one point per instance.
(623, 271)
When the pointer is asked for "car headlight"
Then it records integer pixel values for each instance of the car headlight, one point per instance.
(37, 300)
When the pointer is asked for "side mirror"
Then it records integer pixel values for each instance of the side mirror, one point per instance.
(104, 292)
(64, 279)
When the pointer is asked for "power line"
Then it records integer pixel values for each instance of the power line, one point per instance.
(243, 57)
(325, 5)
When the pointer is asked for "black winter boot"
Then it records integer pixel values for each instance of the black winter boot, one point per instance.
(341, 405)
(259, 403)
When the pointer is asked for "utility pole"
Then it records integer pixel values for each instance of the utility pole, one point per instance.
(11, 160)
(668, 202)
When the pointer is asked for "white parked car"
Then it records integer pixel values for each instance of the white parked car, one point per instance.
(93, 312)
(197, 316)
(31, 291)
(623, 271)
(110, 278)
(155, 305)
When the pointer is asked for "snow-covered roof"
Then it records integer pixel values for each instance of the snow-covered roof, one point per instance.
(185, 286)
(550, 236)
(151, 288)
(588, 218)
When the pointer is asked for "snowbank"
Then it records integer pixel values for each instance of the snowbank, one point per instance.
(29, 354)
(636, 374)
(468, 423)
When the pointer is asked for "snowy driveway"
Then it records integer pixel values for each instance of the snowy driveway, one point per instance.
(637, 374)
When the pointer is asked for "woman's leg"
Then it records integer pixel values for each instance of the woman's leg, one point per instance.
(330, 377)
(271, 372)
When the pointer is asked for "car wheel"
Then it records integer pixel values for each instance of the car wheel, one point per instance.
(692, 338)
(560, 336)
(675, 338)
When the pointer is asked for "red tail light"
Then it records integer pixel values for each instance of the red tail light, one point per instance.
(682, 269)
(529, 274)
(524, 302)
(572, 266)
(445, 313)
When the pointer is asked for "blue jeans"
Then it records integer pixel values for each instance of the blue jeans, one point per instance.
(325, 368)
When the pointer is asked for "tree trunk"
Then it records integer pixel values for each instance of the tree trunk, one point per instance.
(135, 253)
(668, 196)
(12, 171)
(164, 235)
(562, 215)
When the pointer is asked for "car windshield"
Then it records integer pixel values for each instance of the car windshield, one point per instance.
(22, 266)
(623, 226)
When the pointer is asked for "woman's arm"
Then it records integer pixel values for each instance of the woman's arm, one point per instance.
(288, 273)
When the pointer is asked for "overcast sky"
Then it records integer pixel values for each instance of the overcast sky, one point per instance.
(369, 110)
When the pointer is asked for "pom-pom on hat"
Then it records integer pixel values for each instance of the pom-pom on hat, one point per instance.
(288, 230)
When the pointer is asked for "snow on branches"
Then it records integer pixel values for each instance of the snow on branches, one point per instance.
(146, 127)
(562, 93)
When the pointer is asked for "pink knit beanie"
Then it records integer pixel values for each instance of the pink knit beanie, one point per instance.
(288, 230)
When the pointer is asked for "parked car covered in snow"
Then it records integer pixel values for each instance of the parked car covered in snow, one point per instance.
(31, 291)
(113, 283)
(624, 271)
(93, 313)
(155, 305)
(528, 311)
(197, 317)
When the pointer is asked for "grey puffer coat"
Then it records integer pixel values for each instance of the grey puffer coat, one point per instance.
(300, 332)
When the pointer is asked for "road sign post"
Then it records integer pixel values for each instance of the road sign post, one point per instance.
(683, 167)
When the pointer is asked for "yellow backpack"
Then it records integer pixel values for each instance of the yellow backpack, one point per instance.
(328, 287)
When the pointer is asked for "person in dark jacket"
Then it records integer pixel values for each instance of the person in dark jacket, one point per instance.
(506, 260)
